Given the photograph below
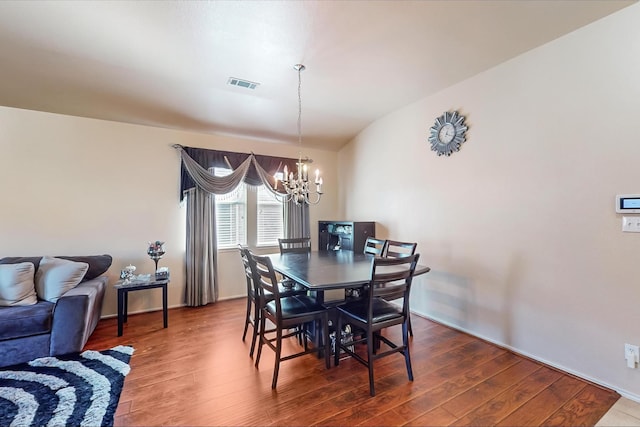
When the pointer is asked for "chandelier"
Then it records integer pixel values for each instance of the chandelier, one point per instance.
(297, 185)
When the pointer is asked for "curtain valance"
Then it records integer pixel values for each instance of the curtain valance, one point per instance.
(249, 168)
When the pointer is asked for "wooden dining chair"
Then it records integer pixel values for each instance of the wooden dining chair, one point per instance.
(398, 249)
(295, 245)
(287, 314)
(374, 246)
(254, 302)
(374, 313)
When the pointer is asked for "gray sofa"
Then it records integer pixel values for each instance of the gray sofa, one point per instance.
(54, 328)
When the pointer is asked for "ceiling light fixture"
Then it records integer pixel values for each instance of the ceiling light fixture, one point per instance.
(297, 186)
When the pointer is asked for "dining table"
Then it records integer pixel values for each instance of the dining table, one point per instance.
(324, 271)
(327, 270)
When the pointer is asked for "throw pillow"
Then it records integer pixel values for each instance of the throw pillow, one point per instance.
(16, 284)
(55, 276)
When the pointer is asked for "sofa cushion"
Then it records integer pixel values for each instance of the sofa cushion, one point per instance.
(26, 320)
(98, 264)
(16, 284)
(55, 276)
(35, 260)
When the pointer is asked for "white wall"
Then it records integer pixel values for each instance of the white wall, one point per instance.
(77, 186)
(519, 227)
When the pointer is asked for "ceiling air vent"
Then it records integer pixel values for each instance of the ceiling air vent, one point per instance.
(233, 81)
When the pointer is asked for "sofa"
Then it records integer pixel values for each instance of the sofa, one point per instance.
(49, 306)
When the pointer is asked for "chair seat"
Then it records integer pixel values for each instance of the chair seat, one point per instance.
(382, 310)
(295, 306)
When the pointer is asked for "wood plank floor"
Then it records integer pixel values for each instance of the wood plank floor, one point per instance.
(198, 372)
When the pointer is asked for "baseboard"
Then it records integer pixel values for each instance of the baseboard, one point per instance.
(232, 297)
(148, 310)
(621, 392)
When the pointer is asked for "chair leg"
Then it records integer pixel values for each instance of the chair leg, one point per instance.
(260, 340)
(407, 356)
(410, 328)
(370, 347)
(247, 319)
(327, 341)
(336, 350)
(256, 326)
(276, 368)
(303, 335)
(377, 341)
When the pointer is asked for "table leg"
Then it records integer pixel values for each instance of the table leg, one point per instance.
(164, 307)
(125, 298)
(120, 311)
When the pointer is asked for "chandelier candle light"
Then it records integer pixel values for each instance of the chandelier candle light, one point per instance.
(297, 186)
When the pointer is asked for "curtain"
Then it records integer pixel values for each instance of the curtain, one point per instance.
(296, 220)
(201, 280)
(199, 185)
(197, 161)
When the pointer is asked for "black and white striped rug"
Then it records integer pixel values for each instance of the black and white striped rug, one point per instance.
(77, 390)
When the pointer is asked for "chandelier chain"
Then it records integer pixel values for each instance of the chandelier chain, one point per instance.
(300, 68)
(297, 186)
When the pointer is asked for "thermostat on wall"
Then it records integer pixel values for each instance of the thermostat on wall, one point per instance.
(628, 203)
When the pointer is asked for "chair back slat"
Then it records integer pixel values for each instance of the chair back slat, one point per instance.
(398, 249)
(374, 246)
(295, 245)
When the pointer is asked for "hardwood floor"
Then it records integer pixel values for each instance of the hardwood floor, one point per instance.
(198, 372)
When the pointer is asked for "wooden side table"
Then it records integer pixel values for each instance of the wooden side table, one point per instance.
(123, 298)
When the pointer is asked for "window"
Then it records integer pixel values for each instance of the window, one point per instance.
(231, 215)
(270, 218)
(253, 218)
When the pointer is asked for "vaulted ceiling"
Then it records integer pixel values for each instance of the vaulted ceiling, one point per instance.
(168, 63)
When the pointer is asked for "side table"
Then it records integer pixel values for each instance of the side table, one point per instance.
(123, 298)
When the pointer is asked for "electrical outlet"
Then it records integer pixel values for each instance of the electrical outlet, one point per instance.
(632, 354)
(631, 224)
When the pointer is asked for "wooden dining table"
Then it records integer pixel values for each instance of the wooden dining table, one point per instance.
(326, 270)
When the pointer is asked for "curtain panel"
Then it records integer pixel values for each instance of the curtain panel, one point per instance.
(201, 263)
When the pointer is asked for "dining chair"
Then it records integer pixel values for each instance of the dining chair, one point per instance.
(374, 313)
(254, 302)
(374, 246)
(295, 245)
(398, 249)
(286, 313)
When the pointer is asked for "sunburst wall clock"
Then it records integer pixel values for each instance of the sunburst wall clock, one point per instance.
(448, 133)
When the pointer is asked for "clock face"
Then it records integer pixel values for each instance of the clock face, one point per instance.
(448, 133)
